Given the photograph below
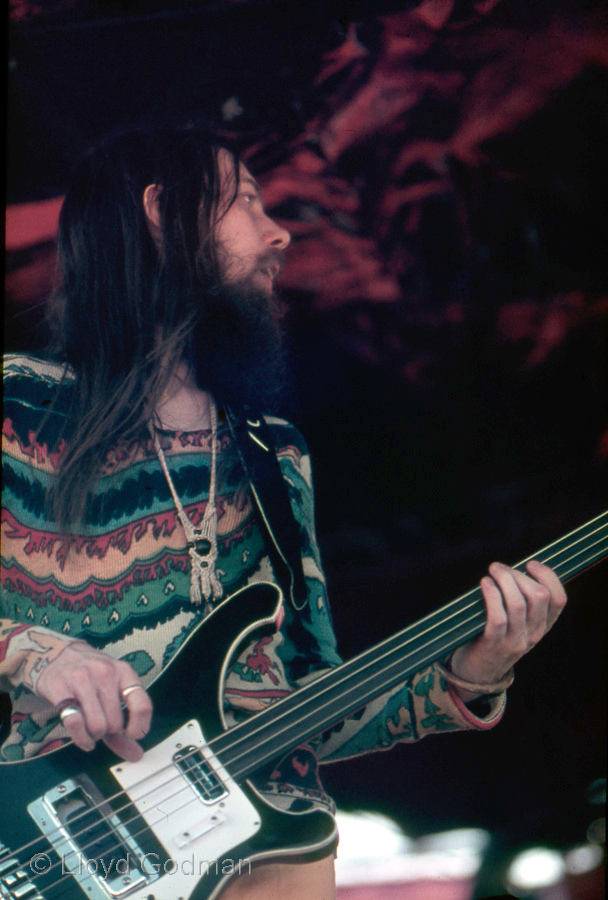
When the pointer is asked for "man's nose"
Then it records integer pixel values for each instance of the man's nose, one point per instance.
(275, 235)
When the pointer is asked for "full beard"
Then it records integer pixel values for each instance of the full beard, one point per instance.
(238, 349)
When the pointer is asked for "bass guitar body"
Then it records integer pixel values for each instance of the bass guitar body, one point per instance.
(185, 819)
(176, 824)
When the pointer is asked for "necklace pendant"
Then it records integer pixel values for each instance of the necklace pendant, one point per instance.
(201, 541)
(202, 546)
(203, 580)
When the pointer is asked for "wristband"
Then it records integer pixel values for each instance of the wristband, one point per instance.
(487, 689)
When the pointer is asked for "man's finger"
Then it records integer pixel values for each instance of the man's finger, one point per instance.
(139, 710)
(73, 721)
(547, 577)
(122, 746)
(538, 600)
(515, 604)
(92, 706)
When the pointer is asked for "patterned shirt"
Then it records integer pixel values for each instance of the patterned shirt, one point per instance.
(121, 582)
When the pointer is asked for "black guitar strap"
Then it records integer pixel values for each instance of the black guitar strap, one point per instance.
(279, 527)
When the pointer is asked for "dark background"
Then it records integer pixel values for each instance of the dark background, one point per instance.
(442, 169)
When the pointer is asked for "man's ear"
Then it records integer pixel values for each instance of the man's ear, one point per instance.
(150, 201)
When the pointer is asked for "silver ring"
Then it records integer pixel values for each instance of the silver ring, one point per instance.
(69, 711)
(129, 690)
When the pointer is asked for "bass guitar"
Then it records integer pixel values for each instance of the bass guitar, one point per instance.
(185, 819)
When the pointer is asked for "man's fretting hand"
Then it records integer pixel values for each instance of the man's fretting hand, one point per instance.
(94, 682)
(520, 609)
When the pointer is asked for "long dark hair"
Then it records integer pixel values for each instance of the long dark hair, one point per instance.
(124, 309)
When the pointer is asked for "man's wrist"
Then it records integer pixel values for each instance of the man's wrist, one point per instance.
(27, 652)
(470, 691)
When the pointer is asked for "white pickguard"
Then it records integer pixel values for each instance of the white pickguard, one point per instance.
(198, 836)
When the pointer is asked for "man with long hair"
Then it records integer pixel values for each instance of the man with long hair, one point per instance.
(128, 514)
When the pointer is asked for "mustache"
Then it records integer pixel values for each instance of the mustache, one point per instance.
(273, 257)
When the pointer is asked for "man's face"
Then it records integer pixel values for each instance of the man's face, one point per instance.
(238, 348)
(250, 246)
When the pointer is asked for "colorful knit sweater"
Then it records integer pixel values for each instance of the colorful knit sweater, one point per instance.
(121, 582)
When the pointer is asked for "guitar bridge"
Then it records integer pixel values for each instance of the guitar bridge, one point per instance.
(90, 841)
(15, 883)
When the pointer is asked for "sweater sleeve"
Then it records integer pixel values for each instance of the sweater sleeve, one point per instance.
(423, 704)
(25, 652)
(31, 387)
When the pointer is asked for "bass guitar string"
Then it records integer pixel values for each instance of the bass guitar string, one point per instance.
(232, 744)
(316, 682)
(392, 670)
(150, 826)
(318, 685)
(194, 798)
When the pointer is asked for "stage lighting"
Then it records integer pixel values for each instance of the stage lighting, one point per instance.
(367, 836)
(373, 850)
(534, 869)
(583, 859)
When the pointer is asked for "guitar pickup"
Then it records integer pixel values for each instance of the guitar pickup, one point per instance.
(200, 774)
(184, 793)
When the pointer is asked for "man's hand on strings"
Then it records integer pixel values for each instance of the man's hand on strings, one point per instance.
(521, 608)
(101, 698)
